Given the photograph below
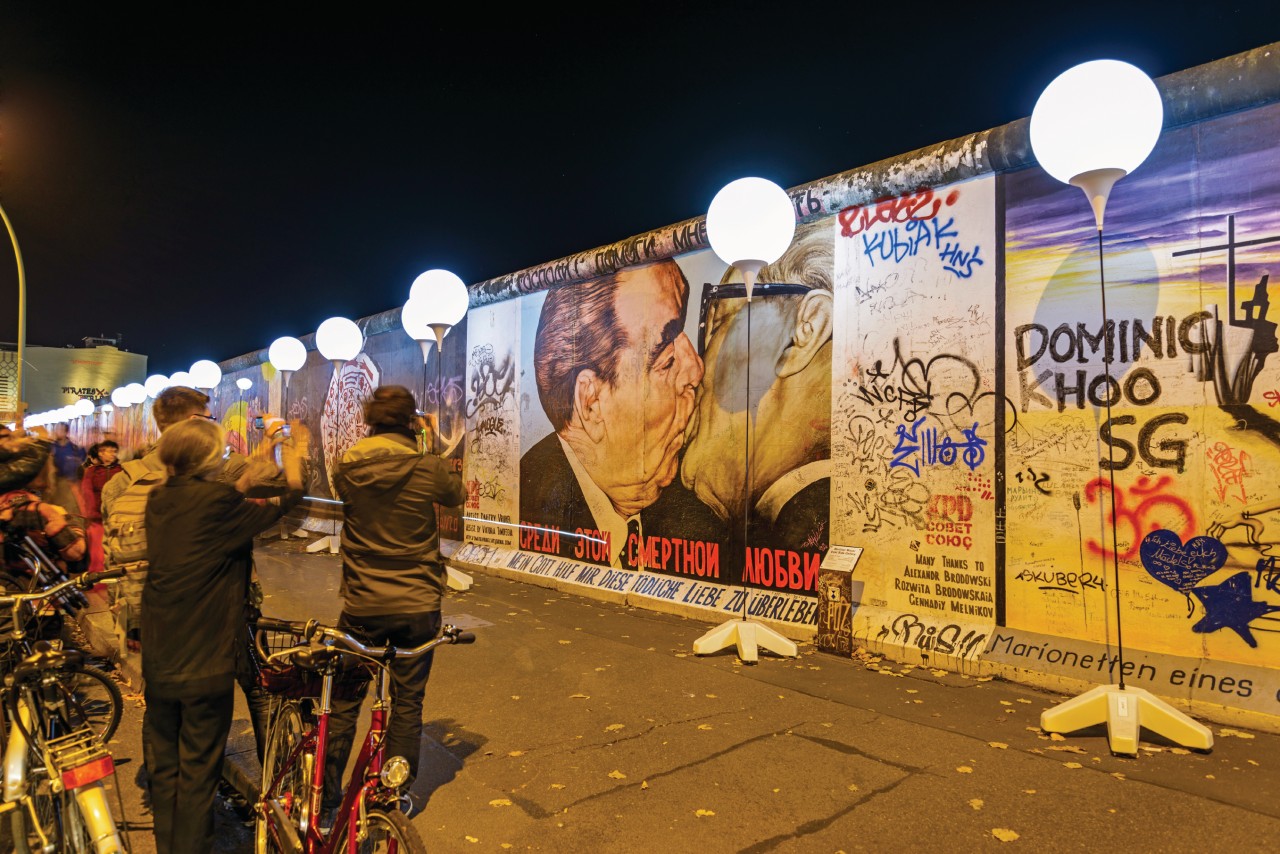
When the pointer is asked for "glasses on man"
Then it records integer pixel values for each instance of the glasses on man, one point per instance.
(203, 415)
(714, 304)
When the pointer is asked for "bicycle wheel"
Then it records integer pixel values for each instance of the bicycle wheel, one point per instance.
(26, 837)
(285, 782)
(93, 700)
(391, 832)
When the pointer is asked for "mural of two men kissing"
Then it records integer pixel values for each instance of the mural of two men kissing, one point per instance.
(645, 465)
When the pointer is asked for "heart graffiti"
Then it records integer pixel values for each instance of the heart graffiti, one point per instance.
(1180, 566)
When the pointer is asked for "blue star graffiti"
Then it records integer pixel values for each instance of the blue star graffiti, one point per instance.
(1230, 605)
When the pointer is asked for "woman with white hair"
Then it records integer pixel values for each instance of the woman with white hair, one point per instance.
(199, 545)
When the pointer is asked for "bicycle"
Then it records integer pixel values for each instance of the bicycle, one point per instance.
(97, 696)
(55, 759)
(288, 810)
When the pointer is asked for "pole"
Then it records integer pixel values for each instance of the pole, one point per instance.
(1111, 458)
(22, 317)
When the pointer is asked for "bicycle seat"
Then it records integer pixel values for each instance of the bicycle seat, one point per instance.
(46, 658)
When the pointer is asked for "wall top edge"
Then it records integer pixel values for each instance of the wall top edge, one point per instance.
(1239, 82)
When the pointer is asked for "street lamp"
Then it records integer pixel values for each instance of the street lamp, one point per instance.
(155, 384)
(22, 317)
(438, 301)
(286, 354)
(205, 374)
(750, 223)
(121, 399)
(339, 340)
(1093, 125)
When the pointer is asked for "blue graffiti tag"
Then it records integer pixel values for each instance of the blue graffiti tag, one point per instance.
(935, 451)
(901, 242)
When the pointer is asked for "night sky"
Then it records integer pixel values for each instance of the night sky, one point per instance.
(201, 180)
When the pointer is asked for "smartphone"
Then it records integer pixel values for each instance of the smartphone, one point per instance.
(257, 423)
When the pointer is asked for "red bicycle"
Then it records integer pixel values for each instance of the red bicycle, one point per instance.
(288, 810)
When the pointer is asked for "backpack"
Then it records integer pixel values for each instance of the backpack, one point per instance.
(124, 542)
(125, 537)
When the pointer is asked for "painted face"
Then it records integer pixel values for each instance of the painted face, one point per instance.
(715, 465)
(646, 411)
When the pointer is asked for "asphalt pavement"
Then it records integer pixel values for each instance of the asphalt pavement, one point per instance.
(580, 725)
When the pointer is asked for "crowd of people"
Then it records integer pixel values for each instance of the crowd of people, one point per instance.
(180, 517)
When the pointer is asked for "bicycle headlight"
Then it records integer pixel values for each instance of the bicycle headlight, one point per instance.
(395, 772)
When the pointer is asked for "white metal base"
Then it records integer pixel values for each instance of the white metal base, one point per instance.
(748, 635)
(458, 580)
(1125, 711)
(329, 541)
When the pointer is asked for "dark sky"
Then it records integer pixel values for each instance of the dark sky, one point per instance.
(204, 180)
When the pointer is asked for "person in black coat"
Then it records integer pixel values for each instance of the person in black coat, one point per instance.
(199, 545)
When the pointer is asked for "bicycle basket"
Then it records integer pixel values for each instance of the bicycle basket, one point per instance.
(296, 681)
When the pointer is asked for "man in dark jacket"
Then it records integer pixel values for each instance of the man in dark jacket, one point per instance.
(393, 578)
(199, 550)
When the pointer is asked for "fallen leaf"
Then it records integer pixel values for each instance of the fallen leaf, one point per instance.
(853, 787)
(515, 696)
(565, 642)
(1055, 736)
(1029, 791)
(617, 775)
(1225, 731)
(579, 697)
(1117, 775)
(1024, 700)
(612, 727)
(1251, 762)
(1210, 777)
(965, 769)
(977, 803)
(1068, 748)
(998, 745)
(644, 784)
(500, 802)
(557, 785)
(704, 726)
(1004, 834)
(505, 845)
(711, 696)
(938, 673)
(985, 678)
(1005, 703)
(516, 753)
(1072, 765)
(472, 839)
(703, 813)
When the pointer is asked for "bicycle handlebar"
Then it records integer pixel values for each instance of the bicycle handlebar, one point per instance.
(84, 581)
(313, 631)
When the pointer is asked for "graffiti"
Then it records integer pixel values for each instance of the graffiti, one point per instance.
(1230, 605)
(1229, 468)
(1036, 479)
(1262, 341)
(1267, 569)
(979, 485)
(1272, 397)
(1147, 444)
(835, 613)
(1180, 566)
(933, 451)
(1063, 581)
(493, 490)
(492, 384)
(951, 639)
(892, 244)
(889, 496)
(947, 386)
(1065, 438)
(1168, 335)
(920, 205)
(1134, 523)
(958, 507)
(493, 426)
